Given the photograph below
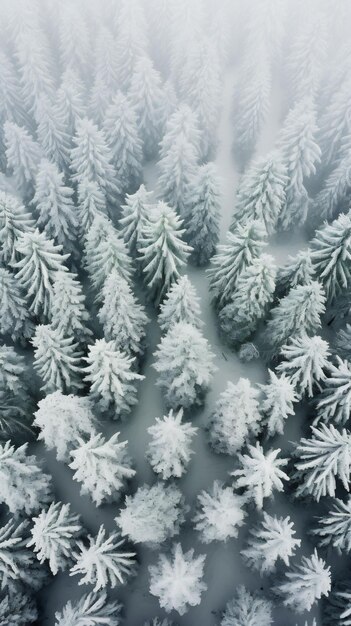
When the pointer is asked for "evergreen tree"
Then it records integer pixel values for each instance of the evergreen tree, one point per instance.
(122, 135)
(177, 167)
(24, 487)
(337, 609)
(14, 317)
(184, 362)
(305, 360)
(54, 532)
(111, 376)
(253, 294)
(169, 451)
(181, 304)
(298, 271)
(162, 251)
(261, 193)
(334, 196)
(260, 473)
(105, 251)
(74, 45)
(23, 156)
(236, 416)
(18, 566)
(11, 101)
(203, 213)
(251, 102)
(177, 581)
(305, 583)
(68, 313)
(35, 63)
(70, 99)
(91, 606)
(278, 402)
(14, 222)
(334, 403)
(300, 153)
(182, 124)
(91, 159)
(152, 514)
(136, 212)
(62, 420)
(37, 270)
(147, 99)
(321, 459)
(343, 342)
(17, 609)
(220, 514)
(334, 123)
(54, 203)
(56, 360)
(201, 87)
(91, 204)
(103, 562)
(334, 528)
(242, 247)
(15, 403)
(306, 60)
(131, 29)
(331, 254)
(272, 539)
(106, 61)
(299, 311)
(246, 608)
(102, 467)
(52, 133)
(122, 317)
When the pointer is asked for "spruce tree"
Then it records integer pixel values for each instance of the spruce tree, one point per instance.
(56, 360)
(307, 57)
(15, 401)
(17, 609)
(162, 251)
(136, 212)
(203, 213)
(331, 255)
(91, 159)
(183, 123)
(70, 100)
(184, 362)
(23, 156)
(299, 311)
(68, 313)
(334, 123)
(146, 97)
(105, 251)
(247, 607)
(220, 514)
(24, 487)
(11, 101)
(121, 131)
(334, 403)
(14, 316)
(112, 378)
(106, 61)
(261, 192)
(249, 304)
(54, 203)
(15, 220)
(53, 535)
(242, 247)
(321, 459)
(334, 527)
(305, 583)
(300, 154)
(305, 360)
(63, 420)
(52, 133)
(19, 568)
(278, 402)
(181, 304)
(91, 204)
(91, 606)
(122, 317)
(103, 563)
(176, 169)
(131, 29)
(298, 271)
(37, 269)
(235, 418)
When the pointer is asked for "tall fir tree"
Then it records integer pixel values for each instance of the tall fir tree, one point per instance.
(122, 135)
(68, 312)
(15, 220)
(176, 168)
(242, 247)
(23, 156)
(37, 269)
(162, 251)
(91, 204)
(57, 360)
(203, 213)
(181, 304)
(136, 212)
(14, 316)
(52, 133)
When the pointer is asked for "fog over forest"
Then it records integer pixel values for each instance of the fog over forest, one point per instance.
(175, 312)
